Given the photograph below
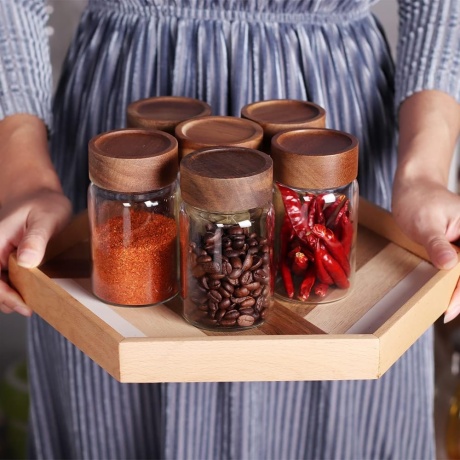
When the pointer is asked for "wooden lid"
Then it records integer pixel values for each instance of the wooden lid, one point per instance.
(133, 160)
(226, 179)
(217, 130)
(315, 158)
(277, 115)
(164, 112)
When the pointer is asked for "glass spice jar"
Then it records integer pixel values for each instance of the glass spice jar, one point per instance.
(316, 206)
(227, 224)
(276, 115)
(164, 112)
(218, 130)
(132, 205)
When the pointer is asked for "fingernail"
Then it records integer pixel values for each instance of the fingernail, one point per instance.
(28, 258)
(448, 259)
(23, 310)
(451, 313)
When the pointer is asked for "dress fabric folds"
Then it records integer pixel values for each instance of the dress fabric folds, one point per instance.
(227, 53)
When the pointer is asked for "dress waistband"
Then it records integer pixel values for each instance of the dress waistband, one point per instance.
(222, 14)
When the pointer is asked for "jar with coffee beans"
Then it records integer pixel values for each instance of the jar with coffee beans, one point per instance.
(226, 237)
(316, 203)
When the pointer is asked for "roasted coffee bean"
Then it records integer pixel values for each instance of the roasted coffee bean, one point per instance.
(252, 242)
(226, 242)
(220, 314)
(236, 262)
(248, 260)
(248, 302)
(235, 274)
(262, 276)
(245, 320)
(254, 286)
(259, 305)
(224, 293)
(258, 291)
(214, 284)
(203, 281)
(226, 267)
(231, 314)
(246, 311)
(216, 276)
(238, 244)
(257, 262)
(198, 271)
(241, 292)
(214, 295)
(211, 267)
(233, 281)
(227, 286)
(224, 303)
(228, 322)
(212, 305)
(246, 278)
(253, 250)
(230, 252)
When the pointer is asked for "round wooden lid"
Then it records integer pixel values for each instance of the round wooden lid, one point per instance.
(217, 130)
(315, 158)
(226, 179)
(164, 112)
(133, 160)
(277, 115)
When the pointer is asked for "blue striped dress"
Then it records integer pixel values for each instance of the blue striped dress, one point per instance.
(228, 53)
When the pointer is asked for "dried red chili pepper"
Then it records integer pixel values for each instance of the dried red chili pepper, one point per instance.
(334, 269)
(321, 289)
(331, 210)
(334, 246)
(346, 233)
(299, 264)
(307, 283)
(293, 208)
(321, 273)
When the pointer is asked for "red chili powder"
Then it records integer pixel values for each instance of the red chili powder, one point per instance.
(135, 259)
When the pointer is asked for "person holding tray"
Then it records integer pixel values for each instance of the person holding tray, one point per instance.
(228, 54)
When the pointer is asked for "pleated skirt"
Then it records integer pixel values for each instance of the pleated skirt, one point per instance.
(229, 57)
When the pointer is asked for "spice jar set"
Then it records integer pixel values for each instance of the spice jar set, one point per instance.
(256, 206)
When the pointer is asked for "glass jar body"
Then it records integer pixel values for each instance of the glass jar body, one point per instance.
(134, 245)
(315, 242)
(227, 272)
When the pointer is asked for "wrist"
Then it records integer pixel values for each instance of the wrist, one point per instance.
(26, 165)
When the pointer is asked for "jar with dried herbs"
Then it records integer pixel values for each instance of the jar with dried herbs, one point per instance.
(132, 204)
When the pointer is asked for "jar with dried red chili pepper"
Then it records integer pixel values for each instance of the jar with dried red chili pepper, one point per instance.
(316, 203)
(132, 205)
(227, 225)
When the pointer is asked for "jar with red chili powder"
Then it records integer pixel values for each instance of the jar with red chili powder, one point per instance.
(316, 208)
(132, 205)
(227, 224)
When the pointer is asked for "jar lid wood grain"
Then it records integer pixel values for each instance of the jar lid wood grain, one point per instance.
(133, 160)
(315, 158)
(276, 115)
(217, 130)
(164, 112)
(226, 179)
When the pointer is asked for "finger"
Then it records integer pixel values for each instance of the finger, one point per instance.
(454, 306)
(441, 253)
(31, 249)
(11, 301)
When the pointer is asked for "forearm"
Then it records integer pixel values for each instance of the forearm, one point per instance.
(429, 123)
(26, 165)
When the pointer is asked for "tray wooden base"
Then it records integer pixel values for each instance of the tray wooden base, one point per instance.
(397, 296)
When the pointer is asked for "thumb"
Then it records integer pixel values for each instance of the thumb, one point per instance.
(441, 252)
(31, 248)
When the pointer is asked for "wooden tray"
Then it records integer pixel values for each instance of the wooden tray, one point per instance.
(397, 296)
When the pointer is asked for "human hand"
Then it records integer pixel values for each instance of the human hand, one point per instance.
(430, 214)
(26, 225)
